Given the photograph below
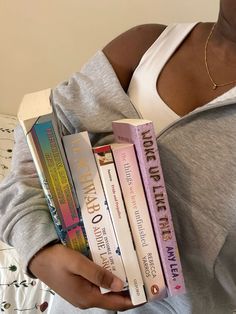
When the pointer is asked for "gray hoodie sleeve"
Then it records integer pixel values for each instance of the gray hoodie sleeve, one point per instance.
(89, 100)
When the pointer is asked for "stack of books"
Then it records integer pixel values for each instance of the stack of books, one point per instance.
(108, 202)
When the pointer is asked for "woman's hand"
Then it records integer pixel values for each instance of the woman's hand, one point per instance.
(77, 279)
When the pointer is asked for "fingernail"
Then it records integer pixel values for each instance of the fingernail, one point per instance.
(116, 285)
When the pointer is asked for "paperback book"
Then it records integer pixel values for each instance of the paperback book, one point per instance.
(95, 212)
(48, 155)
(139, 218)
(106, 168)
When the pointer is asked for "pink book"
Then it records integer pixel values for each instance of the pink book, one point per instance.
(141, 133)
(139, 218)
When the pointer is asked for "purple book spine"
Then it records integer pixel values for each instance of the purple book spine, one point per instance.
(143, 137)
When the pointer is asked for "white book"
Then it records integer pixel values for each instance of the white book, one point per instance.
(113, 194)
(96, 216)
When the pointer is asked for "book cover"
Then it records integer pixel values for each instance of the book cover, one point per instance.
(106, 167)
(38, 122)
(95, 212)
(140, 132)
(139, 218)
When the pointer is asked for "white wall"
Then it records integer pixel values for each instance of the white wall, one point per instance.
(44, 41)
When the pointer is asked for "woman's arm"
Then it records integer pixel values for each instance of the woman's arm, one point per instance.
(89, 100)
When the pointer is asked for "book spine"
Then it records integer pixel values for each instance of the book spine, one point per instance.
(95, 213)
(139, 218)
(106, 167)
(143, 137)
(53, 176)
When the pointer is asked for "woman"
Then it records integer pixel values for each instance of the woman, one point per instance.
(183, 78)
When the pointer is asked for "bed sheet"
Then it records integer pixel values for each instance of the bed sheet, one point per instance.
(18, 292)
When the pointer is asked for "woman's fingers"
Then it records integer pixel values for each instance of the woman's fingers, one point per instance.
(77, 279)
(95, 274)
(86, 295)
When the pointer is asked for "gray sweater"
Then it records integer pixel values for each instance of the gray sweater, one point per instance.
(198, 155)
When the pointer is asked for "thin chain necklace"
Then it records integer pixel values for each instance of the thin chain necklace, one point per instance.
(214, 84)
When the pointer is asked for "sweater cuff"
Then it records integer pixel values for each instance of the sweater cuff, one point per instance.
(30, 234)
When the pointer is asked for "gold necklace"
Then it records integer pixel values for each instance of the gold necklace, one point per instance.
(215, 85)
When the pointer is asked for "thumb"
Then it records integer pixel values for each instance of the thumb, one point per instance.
(95, 273)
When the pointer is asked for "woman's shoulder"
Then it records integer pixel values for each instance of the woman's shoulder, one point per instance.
(125, 51)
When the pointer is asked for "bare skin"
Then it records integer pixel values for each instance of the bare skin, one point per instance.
(183, 86)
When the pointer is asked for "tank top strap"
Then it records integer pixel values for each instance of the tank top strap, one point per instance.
(142, 88)
(162, 49)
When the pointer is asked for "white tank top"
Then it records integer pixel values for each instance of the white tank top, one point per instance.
(142, 89)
